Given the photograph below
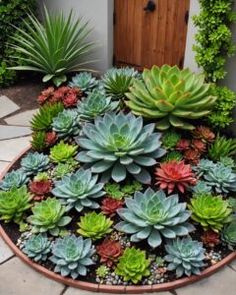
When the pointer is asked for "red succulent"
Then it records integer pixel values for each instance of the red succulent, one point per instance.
(192, 156)
(109, 251)
(199, 145)
(183, 145)
(109, 206)
(46, 95)
(204, 133)
(173, 175)
(41, 187)
(51, 138)
(210, 238)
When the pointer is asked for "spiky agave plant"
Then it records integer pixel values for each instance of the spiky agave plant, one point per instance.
(172, 95)
(119, 143)
(55, 47)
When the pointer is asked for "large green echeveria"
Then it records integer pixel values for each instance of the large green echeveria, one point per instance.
(79, 190)
(119, 143)
(151, 215)
(133, 265)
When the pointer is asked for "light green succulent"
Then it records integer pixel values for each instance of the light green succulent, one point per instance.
(212, 212)
(118, 192)
(79, 190)
(96, 104)
(85, 81)
(229, 234)
(34, 163)
(185, 256)
(102, 271)
(42, 176)
(63, 169)
(170, 139)
(172, 95)
(37, 247)
(151, 215)
(117, 81)
(49, 216)
(14, 203)
(15, 178)
(66, 124)
(119, 143)
(95, 226)
(133, 265)
(62, 152)
(72, 255)
(228, 162)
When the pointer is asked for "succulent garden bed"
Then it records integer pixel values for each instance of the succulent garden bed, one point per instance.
(123, 186)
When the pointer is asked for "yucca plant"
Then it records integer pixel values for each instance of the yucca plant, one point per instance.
(55, 47)
(222, 147)
(15, 178)
(62, 152)
(172, 95)
(84, 81)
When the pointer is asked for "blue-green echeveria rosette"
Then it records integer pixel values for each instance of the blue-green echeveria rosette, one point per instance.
(151, 215)
(79, 190)
(33, 163)
(117, 144)
(15, 178)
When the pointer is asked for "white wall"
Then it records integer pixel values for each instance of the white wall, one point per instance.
(100, 15)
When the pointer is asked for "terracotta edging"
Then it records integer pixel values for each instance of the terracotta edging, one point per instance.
(108, 288)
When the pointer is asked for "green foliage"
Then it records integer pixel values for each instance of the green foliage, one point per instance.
(42, 121)
(222, 147)
(119, 143)
(66, 124)
(172, 95)
(170, 139)
(185, 256)
(15, 178)
(151, 215)
(102, 271)
(172, 156)
(62, 152)
(34, 163)
(214, 37)
(227, 161)
(38, 141)
(72, 255)
(14, 203)
(96, 104)
(229, 234)
(48, 216)
(212, 212)
(221, 117)
(45, 49)
(94, 225)
(133, 265)
(117, 81)
(118, 192)
(7, 77)
(84, 81)
(37, 247)
(65, 168)
(79, 190)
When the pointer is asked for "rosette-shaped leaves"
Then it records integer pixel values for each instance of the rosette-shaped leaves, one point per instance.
(62, 152)
(48, 216)
(34, 163)
(94, 226)
(185, 256)
(133, 265)
(14, 203)
(15, 178)
(109, 251)
(151, 215)
(66, 124)
(172, 95)
(118, 143)
(72, 255)
(229, 234)
(203, 167)
(85, 81)
(96, 104)
(37, 247)
(79, 190)
(210, 211)
(173, 175)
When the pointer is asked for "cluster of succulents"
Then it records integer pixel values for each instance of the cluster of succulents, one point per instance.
(104, 195)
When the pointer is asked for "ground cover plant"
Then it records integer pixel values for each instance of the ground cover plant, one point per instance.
(124, 188)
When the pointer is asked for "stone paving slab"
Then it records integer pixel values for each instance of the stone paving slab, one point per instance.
(5, 252)
(16, 278)
(3, 166)
(21, 119)
(233, 265)
(7, 106)
(9, 149)
(7, 132)
(220, 283)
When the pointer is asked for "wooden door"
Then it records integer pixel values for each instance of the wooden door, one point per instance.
(143, 38)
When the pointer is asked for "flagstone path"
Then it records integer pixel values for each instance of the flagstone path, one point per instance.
(16, 278)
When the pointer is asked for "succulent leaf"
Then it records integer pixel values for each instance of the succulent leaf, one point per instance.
(15, 178)
(62, 152)
(34, 163)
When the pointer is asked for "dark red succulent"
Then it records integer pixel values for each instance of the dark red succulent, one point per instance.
(50, 138)
(173, 175)
(39, 198)
(210, 238)
(109, 251)
(204, 133)
(68, 96)
(46, 95)
(109, 206)
(183, 145)
(199, 145)
(41, 187)
(192, 156)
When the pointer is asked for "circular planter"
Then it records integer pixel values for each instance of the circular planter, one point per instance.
(108, 288)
